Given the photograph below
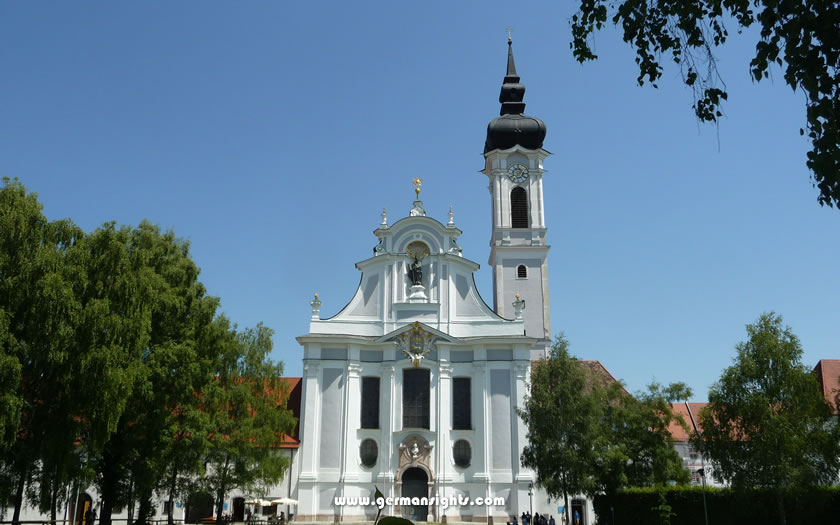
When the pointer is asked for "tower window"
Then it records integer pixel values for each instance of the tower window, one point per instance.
(519, 207)
(370, 402)
(461, 404)
(521, 272)
(416, 386)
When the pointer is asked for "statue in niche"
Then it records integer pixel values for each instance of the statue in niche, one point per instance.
(415, 272)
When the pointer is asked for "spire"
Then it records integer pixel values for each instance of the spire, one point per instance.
(512, 90)
(513, 127)
(511, 66)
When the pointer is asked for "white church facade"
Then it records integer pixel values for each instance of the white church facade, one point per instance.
(413, 387)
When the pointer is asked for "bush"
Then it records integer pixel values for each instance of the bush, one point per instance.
(817, 506)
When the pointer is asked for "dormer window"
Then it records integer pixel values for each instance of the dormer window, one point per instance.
(519, 207)
(521, 272)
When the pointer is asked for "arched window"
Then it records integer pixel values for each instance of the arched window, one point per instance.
(416, 387)
(461, 403)
(519, 207)
(521, 272)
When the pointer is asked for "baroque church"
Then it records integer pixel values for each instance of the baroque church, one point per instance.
(412, 388)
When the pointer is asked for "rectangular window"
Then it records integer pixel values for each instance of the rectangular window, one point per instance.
(416, 394)
(461, 404)
(370, 402)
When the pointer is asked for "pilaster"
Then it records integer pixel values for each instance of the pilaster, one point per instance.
(352, 421)
(481, 408)
(521, 372)
(310, 441)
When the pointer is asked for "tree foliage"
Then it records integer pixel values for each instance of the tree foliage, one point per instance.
(802, 37)
(115, 367)
(767, 424)
(249, 417)
(40, 312)
(163, 433)
(637, 448)
(588, 436)
(562, 414)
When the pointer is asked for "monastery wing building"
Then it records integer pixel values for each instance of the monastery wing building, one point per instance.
(413, 387)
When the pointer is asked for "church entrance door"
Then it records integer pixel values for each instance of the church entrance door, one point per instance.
(415, 484)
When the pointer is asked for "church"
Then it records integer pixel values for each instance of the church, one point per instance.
(412, 388)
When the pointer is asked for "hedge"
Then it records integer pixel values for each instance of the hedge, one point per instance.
(816, 506)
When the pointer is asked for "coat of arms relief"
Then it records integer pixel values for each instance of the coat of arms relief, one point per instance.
(415, 343)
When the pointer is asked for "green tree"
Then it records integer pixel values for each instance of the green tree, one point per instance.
(635, 447)
(562, 414)
(88, 382)
(587, 435)
(247, 405)
(800, 36)
(767, 423)
(38, 314)
(163, 433)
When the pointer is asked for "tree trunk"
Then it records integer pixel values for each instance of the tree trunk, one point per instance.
(173, 480)
(566, 505)
(108, 487)
(54, 498)
(144, 510)
(780, 503)
(220, 498)
(131, 499)
(221, 489)
(19, 498)
(105, 511)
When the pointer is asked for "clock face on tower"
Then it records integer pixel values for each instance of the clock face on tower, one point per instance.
(517, 173)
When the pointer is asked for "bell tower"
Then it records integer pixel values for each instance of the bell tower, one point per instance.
(514, 158)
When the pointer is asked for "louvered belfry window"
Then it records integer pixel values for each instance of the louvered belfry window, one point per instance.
(416, 387)
(370, 402)
(519, 207)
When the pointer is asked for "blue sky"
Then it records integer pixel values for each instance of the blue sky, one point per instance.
(271, 135)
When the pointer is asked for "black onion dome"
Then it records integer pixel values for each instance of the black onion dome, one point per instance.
(513, 127)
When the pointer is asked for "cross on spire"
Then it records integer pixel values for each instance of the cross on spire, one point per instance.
(509, 31)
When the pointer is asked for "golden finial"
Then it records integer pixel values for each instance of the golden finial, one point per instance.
(517, 296)
(316, 295)
(417, 183)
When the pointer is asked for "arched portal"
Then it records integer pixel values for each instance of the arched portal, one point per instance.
(238, 509)
(415, 484)
(83, 505)
(199, 506)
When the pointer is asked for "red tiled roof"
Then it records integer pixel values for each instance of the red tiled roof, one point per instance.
(293, 404)
(600, 371)
(828, 375)
(687, 411)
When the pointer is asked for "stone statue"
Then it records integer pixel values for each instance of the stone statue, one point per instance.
(415, 272)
